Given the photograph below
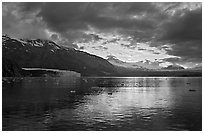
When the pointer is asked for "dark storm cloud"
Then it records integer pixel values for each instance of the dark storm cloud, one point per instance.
(63, 17)
(185, 32)
(188, 51)
(184, 28)
(30, 6)
(21, 24)
(71, 19)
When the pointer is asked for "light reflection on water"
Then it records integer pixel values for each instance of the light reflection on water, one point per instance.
(103, 104)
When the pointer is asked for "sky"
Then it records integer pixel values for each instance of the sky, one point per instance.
(166, 33)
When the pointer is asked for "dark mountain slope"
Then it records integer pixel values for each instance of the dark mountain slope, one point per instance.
(46, 54)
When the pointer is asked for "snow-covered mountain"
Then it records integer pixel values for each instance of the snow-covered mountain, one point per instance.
(141, 65)
(173, 67)
(38, 53)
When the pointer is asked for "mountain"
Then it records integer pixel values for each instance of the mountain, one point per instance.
(141, 65)
(113, 60)
(38, 53)
(149, 64)
(173, 67)
(147, 68)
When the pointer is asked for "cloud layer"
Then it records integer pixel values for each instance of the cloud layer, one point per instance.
(165, 30)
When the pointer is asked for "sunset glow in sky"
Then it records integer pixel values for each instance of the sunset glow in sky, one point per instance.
(169, 33)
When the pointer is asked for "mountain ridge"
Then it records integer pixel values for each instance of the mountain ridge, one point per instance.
(140, 65)
(47, 54)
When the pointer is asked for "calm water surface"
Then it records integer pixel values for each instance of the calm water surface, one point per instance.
(102, 104)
